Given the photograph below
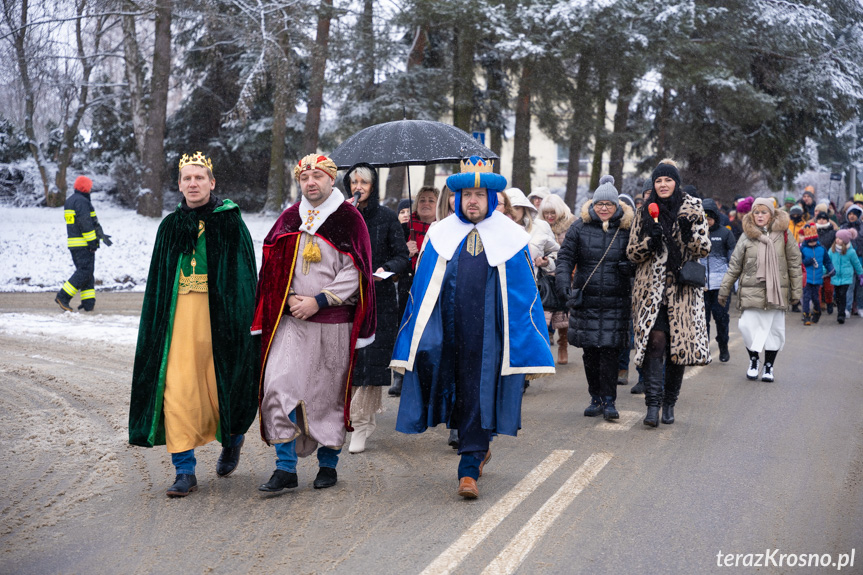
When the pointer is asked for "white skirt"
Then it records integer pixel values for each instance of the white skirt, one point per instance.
(762, 329)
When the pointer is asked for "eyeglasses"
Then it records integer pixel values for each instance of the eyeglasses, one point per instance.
(604, 206)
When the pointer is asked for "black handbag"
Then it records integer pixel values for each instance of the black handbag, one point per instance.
(576, 298)
(692, 274)
(548, 292)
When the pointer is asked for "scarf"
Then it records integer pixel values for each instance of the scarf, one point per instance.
(768, 268)
(668, 210)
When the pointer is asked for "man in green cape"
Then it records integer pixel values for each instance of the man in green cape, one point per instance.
(195, 374)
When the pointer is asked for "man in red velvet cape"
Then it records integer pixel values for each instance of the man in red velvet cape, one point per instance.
(315, 308)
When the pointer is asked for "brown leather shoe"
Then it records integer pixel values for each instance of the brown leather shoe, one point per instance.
(484, 461)
(467, 488)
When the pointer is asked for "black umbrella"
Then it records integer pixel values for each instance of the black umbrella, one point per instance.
(409, 143)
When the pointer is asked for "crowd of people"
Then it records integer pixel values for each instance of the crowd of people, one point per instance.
(455, 302)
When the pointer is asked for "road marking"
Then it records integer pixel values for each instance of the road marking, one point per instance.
(450, 559)
(521, 545)
(626, 421)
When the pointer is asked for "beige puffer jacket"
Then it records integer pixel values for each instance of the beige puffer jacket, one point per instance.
(752, 293)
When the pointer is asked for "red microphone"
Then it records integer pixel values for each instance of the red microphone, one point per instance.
(654, 212)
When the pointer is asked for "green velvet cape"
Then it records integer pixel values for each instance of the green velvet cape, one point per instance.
(231, 283)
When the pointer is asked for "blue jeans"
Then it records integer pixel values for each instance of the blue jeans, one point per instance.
(286, 453)
(184, 462)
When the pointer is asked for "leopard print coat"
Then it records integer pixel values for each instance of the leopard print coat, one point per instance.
(689, 343)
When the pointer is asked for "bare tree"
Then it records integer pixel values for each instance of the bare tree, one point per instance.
(135, 76)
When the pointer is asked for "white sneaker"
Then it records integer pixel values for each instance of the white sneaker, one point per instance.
(768, 372)
(754, 365)
(358, 440)
(860, 312)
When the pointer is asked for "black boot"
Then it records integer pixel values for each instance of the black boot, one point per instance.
(184, 484)
(673, 381)
(795, 308)
(829, 309)
(396, 387)
(609, 412)
(816, 315)
(638, 387)
(595, 407)
(327, 477)
(653, 370)
(62, 299)
(228, 459)
(280, 480)
(724, 356)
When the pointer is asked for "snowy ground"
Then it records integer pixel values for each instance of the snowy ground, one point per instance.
(34, 256)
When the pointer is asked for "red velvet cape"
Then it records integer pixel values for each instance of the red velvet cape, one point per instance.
(345, 231)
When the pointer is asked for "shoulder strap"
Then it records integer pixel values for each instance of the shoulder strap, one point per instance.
(611, 243)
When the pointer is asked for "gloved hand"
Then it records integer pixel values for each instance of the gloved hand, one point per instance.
(685, 229)
(107, 240)
(722, 300)
(655, 242)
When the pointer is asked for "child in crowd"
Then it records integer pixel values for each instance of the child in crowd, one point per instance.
(846, 263)
(817, 263)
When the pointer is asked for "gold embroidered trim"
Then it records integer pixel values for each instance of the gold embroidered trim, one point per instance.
(333, 298)
(474, 243)
(193, 283)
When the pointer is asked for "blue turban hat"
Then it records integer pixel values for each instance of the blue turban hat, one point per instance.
(476, 173)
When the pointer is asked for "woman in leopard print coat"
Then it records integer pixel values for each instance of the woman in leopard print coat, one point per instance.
(668, 316)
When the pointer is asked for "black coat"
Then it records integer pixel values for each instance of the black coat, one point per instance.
(390, 252)
(603, 318)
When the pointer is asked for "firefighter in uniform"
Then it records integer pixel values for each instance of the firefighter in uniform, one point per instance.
(83, 231)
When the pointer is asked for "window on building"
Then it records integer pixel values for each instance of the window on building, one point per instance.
(563, 160)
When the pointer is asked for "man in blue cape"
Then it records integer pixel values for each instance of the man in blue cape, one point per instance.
(473, 328)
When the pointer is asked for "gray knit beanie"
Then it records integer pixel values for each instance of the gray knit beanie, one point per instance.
(606, 192)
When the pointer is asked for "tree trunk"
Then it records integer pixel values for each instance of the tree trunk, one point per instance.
(429, 175)
(367, 59)
(497, 103)
(316, 81)
(578, 131)
(282, 96)
(462, 91)
(153, 160)
(70, 130)
(135, 77)
(598, 133)
(620, 136)
(662, 125)
(396, 182)
(19, 38)
(521, 139)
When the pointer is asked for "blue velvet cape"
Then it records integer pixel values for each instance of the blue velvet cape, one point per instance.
(515, 343)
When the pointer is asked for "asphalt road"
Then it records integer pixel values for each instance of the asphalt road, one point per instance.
(747, 468)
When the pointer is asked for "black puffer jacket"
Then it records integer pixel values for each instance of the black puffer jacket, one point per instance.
(389, 252)
(603, 318)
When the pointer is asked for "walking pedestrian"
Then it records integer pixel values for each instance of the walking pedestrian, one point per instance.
(668, 312)
(847, 264)
(722, 244)
(766, 260)
(315, 308)
(83, 233)
(389, 256)
(470, 334)
(817, 262)
(853, 221)
(194, 380)
(556, 213)
(599, 295)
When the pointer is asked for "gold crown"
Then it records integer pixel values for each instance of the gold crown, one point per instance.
(198, 159)
(481, 166)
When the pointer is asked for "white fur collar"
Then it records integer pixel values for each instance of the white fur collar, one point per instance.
(312, 217)
(501, 237)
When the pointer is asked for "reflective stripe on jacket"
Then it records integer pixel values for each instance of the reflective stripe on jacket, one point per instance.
(81, 222)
